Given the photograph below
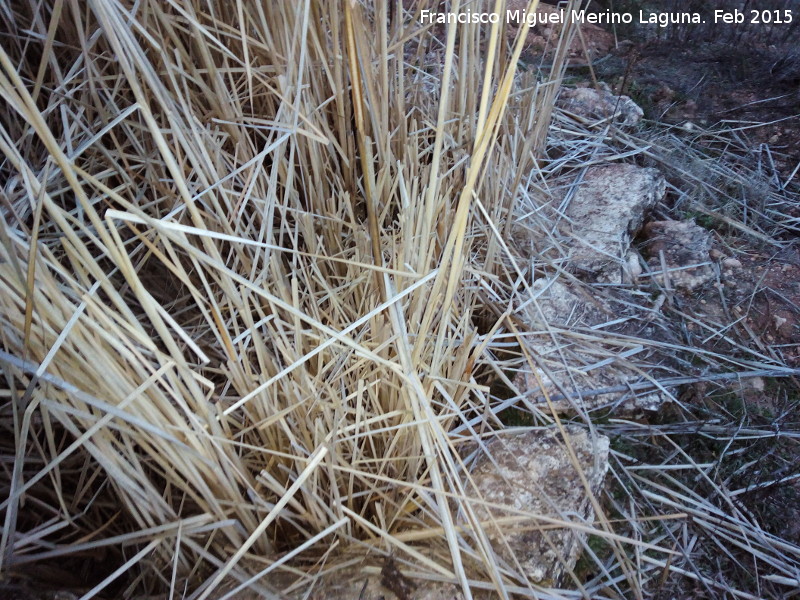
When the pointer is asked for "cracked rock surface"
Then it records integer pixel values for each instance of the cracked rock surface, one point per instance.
(685, 248)
(565, 368)
(533, 475)
(601, 104)
(605, 212)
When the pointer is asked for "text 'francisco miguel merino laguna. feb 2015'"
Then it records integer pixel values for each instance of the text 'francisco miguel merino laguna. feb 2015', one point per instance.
(608, 17)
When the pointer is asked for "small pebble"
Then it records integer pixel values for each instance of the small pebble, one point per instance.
(633, 266)
(732, 263)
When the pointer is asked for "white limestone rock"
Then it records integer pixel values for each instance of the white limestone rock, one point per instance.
(686, 248)
(558, 306)
(605, 212)
(531, 472)
(600, 104)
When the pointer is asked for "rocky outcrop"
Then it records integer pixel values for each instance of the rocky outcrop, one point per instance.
(685, 250)
(533, 474)
(605, 212)
(600, 104)
(600, 213)
(578, 372)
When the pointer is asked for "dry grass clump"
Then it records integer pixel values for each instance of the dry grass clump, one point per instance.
(239, 287)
